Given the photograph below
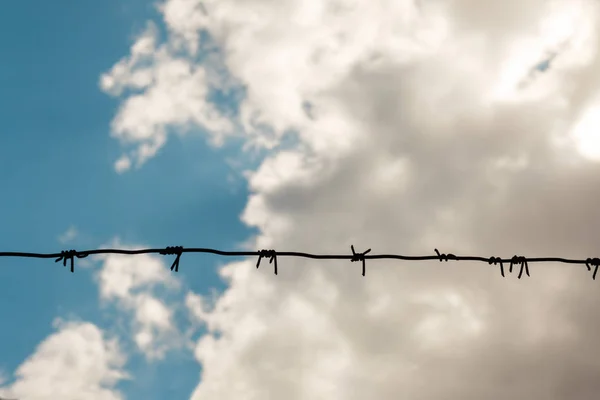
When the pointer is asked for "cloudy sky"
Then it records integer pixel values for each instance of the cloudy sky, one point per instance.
(300, 125)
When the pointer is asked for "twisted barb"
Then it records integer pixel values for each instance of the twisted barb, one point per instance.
(69, 255)
(359, 257)
(595, 262)
(272, 258)
(496, 260)
(519, 260)
(173, 250)
(445, 257)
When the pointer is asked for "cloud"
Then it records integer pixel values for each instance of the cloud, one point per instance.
(165, 90)
(130, 282)
(76, 362)
(80, 360)
(420, 135)
(68, 235)
(122, 164)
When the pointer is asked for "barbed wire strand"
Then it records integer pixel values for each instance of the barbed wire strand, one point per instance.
(522, 261)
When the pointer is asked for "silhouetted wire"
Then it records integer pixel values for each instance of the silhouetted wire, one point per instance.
(272, 255)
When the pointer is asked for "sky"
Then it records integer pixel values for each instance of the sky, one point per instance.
(299, 125)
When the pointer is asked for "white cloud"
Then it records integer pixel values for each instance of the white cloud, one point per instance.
(155, 326)
(68, 235)
(79, 360)
(129, 281)
(168, 91)
(421, 135)
(76, 362)
(585, 133)
(123, 275)
(122, 164)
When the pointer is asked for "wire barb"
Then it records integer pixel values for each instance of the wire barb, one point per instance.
(519, 260)
(359, 257)
(496, 260)
(69, 255)
(595, 262)
(173, 250)
(272, 255)
(445, 257)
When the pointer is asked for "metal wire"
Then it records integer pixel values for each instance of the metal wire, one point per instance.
(272, 255)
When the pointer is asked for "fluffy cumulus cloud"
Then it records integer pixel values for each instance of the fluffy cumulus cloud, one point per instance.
(463, 125)
(131, 283)
(78, 361)
(174, 92)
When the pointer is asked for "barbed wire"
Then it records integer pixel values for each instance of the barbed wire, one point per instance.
(272, 255)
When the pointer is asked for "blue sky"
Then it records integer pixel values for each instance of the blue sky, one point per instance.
(56, 169)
